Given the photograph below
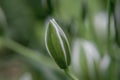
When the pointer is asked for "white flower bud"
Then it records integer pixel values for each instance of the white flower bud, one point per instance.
(57, 44)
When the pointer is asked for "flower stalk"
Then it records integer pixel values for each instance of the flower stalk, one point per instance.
(69, 74)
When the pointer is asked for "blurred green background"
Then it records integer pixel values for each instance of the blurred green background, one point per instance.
(23, 55)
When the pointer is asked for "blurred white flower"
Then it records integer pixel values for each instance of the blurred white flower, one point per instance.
(100, 26)
(86, 60)
(92, 58)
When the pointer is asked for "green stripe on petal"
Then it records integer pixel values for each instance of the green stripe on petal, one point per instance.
(57, 44)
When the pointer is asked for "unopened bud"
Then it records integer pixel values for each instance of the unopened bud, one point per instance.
(57, 44)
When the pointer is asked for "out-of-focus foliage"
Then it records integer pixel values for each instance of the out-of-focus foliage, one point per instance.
(23, 55)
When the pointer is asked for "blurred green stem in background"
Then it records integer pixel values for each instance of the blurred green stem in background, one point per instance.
(116, 30)
(108, 24)
(113, 67)
(28, 53)
(69, 74)
(92, 9)
(83, 14)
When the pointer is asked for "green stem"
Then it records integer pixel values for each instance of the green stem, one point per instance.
(116, 35)
(112, 73)
(109, 38)
(91, 13)
(69, 74)
(28, 53)
(115, 24)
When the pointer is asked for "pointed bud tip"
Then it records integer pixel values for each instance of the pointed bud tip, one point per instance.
(57, 44)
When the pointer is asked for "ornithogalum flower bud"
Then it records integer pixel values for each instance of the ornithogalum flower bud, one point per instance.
(57, 44)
